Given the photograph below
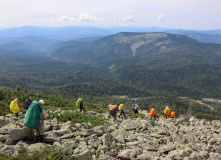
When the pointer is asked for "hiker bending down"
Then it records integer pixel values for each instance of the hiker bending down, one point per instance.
(113, 110)
(167, 112)
(34, 119)
(121, 110)
(14, 106)
(135, 109)
(80, 104)
(153, 113)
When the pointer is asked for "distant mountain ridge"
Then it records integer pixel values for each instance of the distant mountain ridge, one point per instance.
(138, 64)
(121, 46)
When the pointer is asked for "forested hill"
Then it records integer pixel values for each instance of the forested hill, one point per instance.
(131, 64)
(121, 46)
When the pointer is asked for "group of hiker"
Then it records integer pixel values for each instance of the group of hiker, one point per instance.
(113, 109)
(35, 114)
(167, 112)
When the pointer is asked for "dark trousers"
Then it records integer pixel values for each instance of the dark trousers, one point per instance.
(16, 115)
(122, 113)
(81, 108)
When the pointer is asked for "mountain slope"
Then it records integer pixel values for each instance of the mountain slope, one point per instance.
(124, 45)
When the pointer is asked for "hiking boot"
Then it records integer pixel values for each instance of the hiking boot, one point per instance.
(42, 139)
(36, 139)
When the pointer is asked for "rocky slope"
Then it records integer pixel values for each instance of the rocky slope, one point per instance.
(179, 138)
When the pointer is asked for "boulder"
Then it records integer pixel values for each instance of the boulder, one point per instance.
(36, 147)
(127, 154)
(84, 155)
(18, 134)
(107, 139)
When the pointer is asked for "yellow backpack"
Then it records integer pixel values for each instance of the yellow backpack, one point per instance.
(14, 106)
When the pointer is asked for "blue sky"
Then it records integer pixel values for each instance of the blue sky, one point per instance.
(179, 14)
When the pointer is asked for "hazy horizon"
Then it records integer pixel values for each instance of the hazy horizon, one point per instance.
(186, 15)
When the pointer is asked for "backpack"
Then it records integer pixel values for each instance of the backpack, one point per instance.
(79, 102)
(121, 106)
(14, 106)
(134, 107)
(27, 103)
(32, 116)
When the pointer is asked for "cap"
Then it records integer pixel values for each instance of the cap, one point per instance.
(41, 101)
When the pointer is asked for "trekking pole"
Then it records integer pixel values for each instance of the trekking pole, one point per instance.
(51, 127)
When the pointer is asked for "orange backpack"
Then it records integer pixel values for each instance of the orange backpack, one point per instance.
(152, 112)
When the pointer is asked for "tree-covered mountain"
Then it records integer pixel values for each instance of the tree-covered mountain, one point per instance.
(134, 64)
(122, 46)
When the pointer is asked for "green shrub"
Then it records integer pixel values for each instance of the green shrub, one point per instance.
(82, 118)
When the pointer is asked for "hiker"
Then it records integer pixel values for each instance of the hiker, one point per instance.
(135, 109)
(14, 106)
(113, 111)
(28, 103)
(172, 114)
(80, 104)
(34, 119)
(121, 110)
(153, 113)
(167, 112)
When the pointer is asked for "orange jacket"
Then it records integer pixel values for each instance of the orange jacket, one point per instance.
(152, 112)
(173, 114)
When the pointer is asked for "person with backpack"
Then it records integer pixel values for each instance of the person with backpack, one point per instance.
(14, 106)
(135, 109)
(172, 114)
(113, 111)
(167, 112)
(34, 119)
(28, 103)
(153, 113)
(121, 110)
(80, 104)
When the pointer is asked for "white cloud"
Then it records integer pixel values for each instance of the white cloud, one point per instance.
(130, 19)
(160, 18)
(63, 18)
(87, 17)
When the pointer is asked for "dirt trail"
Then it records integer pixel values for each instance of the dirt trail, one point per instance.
(200, 102)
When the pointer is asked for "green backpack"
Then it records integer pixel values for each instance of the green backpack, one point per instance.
(79, 102)
(32, 116)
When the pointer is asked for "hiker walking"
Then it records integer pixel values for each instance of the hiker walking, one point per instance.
(28, 102)
(80, 103)
(113, 111)
(14, 106)
(34, 119)
(172, 114)
(135, 109)
(153, 113)
(121, 110)
(167, 112)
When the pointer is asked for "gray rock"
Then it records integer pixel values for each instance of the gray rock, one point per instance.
(166, 148)
(18, 134)
(105, 148)
(107, 139)
(84, 155)
(3, 138)
(7, 150)
(82, 145)
(127, 154)
(130, 125)
(214, 156)
(36, 147)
